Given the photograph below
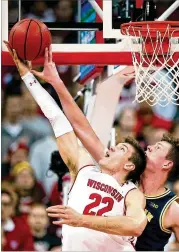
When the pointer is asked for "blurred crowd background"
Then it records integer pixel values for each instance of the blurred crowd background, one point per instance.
(28, 185)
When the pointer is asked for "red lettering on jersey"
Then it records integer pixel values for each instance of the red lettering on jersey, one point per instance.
(102, 187)
(94, 185)
(98, 200)
(105, 188)
(109, 202)
(90, 182)
(115, 196)
(110, 188)
(98, 185)
(114, 192)
(118, 197)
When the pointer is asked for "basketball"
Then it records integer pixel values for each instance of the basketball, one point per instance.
(29, 37)
(100, 80)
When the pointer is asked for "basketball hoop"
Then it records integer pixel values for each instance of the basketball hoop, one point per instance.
(155, 54)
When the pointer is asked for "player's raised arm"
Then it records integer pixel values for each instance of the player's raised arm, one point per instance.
(80, 124)
(66, 139)
(133, 224)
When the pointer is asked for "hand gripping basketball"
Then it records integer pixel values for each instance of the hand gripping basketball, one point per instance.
(49, 73)
(22, 67)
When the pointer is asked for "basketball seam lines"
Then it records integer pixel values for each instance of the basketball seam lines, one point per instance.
(26, 39)
(40, 40)
(15, 30)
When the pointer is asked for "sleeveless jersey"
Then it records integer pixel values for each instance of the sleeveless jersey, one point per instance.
(155, 236)
(96, 193)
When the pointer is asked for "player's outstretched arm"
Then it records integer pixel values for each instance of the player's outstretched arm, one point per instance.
(66, 139)
(132, 224)
(80, 124)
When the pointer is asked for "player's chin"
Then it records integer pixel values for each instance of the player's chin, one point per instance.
(105, 166)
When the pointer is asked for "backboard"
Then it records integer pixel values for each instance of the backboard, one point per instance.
(97, 23)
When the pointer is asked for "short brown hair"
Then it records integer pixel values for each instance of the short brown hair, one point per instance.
(138, 158)
(172, 155)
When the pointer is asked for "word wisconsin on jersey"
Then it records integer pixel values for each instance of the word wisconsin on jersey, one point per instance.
(105, 188)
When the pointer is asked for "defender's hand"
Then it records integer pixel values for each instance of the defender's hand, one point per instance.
(49, 73)
(21, 66)
(70, 216)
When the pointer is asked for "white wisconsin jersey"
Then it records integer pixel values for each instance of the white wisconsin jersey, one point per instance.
(96, 193)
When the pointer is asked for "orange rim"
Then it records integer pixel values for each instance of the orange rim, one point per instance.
(151, 27)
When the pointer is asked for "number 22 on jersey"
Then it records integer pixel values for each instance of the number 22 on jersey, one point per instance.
(99, 200)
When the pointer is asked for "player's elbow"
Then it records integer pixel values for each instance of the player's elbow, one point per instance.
(138, 228)
(138, 231)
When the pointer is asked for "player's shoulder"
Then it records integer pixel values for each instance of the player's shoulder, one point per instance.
(174, 206)
(135, 195)
(128, 187)
(172, 213)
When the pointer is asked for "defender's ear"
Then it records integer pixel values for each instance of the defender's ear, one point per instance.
(168, 164)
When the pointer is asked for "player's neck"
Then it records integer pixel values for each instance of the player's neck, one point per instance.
(152, 183)
(121, 178)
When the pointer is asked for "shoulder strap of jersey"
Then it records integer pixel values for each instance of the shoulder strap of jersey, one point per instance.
(162, 215)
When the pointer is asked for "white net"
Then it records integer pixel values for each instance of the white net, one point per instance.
(156, 73)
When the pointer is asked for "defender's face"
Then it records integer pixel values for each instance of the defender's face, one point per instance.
(116, 157)
(156, 155)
